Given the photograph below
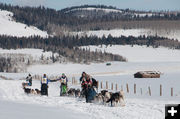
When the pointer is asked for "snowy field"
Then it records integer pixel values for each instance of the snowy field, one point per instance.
(12, 28)
(138, 106)
(139, 58)
(38, 107)
(172, 34)
(117, 68)
(140, 53)
(17, 110)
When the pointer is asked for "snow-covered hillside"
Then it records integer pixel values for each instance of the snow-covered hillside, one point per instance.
(12, 28)
(140, 53)
(172, 34)
(79, 11)
(106, 10)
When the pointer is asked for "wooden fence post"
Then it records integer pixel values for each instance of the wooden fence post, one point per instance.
(160, 90)
(134, 88)
(75, 81)
(97, 84)
(106, 85)
(127, 88)
(111, 86)
(149, 90)
(171, 91)
(116, 87)
(101, 85)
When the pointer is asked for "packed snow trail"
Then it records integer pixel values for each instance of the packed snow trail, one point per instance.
(12, 110)
(11, 90)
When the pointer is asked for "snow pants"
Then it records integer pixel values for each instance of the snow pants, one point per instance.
(44, 89)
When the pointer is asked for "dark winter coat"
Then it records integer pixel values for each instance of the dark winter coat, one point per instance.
(29, 80)
(91, 93)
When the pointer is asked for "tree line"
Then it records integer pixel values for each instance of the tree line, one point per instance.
(73, 42)
(68, 46)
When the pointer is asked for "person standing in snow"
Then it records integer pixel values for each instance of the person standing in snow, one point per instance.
(63, 87)
(89, 90)
(44, 85)
(83, 81)
(83, 77)
(29, 80)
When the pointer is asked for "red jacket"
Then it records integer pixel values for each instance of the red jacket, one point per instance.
(86, 83)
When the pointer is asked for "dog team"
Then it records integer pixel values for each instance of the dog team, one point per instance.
(89, 88)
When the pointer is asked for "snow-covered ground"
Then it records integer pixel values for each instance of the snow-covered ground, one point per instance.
(12, 28)
(172, 34)
(140, 53)
(117, 68)
(14, 110)
(122, 74)
(139, 58)
(137, 106)
(38, 107)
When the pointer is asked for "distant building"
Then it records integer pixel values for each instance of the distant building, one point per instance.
(147, 74)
